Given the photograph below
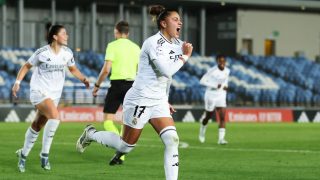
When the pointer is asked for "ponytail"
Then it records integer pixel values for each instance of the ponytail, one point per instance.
(159, 13)
(54, 30)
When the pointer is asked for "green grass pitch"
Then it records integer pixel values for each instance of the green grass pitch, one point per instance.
(255, 151)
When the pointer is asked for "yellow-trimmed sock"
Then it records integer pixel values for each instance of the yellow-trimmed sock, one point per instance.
(109, 126)
(121, 133)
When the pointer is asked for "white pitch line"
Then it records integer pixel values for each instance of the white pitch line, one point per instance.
(256, 150)
(184, 145)
(241, 149)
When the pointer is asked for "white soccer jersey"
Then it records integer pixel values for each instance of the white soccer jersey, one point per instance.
(49, 73)
(159, 60)
(213, 78)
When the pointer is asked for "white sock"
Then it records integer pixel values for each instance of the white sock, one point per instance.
(30, 138)
(48, 133)
(111, 139)
(203, 129)
(222, 133)
(170, 139)
(106, 138)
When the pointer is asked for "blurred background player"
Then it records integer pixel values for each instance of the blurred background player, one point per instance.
(162, 55)
(216, 80)
(122, 56)
(45, 91)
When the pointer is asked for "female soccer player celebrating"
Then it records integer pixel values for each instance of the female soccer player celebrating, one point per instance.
(45, 91)
(162, 55)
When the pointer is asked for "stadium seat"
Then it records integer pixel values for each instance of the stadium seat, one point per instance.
(262, 80)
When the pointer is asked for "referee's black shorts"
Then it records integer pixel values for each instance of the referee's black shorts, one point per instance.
(115, 95)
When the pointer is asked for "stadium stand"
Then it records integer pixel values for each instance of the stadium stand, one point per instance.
(254, 80)
(297, 77)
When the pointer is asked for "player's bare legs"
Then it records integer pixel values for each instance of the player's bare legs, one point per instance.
(31, 136)
(208, 116)
(50, 111)
(39, 121)
(131, 135)
(46, 110)
(203, 126)
(220, 112)
(165, 127)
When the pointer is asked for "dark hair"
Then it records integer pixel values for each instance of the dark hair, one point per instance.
(54, 30)
(159, 13)
(220, 56)
(122, 27)
(48, 25)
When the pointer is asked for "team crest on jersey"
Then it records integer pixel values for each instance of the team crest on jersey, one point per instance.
(134, 121)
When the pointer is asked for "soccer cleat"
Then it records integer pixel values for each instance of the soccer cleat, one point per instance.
(222, 142)
(202, 132)
(44, 158)
(84, 140)
(22, 161)
(116, 159)
(202, 138)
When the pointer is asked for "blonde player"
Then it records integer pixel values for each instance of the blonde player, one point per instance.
(45, 91)
(162, 55)
(216, 80)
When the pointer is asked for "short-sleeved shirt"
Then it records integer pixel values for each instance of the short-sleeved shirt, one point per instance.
(124, 55)
(49, 73)
(150, 83)
(213, 78)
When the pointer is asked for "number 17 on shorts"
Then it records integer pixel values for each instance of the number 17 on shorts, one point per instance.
(136, 116)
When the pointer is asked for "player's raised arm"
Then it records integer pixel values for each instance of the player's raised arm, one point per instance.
(22, 72)
(187, 49)
(168, 68)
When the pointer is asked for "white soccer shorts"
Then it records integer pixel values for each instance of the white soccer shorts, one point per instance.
(137, 115)
(37, 96)
(211, 101)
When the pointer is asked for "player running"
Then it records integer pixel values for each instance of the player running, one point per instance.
(216, 80)
(162, 55)
(45, 91)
